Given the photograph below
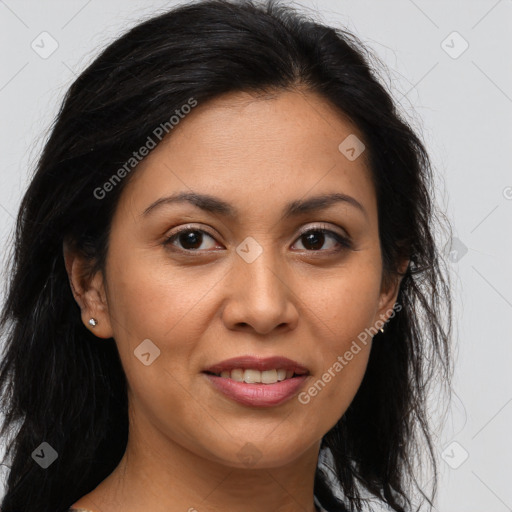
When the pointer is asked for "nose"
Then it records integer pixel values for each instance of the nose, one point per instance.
(260, 298)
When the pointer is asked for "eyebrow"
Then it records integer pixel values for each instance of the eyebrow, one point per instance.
(216, 205)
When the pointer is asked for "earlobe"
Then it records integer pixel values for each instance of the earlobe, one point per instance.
(88, 292)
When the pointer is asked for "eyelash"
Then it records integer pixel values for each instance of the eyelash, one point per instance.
(343, 241)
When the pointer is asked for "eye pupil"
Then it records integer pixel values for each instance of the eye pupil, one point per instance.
(315, 238)
(193, 238)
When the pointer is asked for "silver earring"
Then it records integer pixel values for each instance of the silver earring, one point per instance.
(93, 322)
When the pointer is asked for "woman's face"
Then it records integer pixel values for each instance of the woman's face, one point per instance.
(242, 281)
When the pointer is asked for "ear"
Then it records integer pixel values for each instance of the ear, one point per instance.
(389, 293)
(89, 292)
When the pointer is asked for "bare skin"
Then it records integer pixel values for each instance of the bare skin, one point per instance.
(201, 304)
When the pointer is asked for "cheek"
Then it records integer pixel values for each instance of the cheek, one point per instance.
(335, 384)
(150, 302)
(344, 304)
(148, 298)
(343, 310)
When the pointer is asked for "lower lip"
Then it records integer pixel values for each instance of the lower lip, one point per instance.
(257, 395)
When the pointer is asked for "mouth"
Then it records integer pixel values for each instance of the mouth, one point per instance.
(257, 382)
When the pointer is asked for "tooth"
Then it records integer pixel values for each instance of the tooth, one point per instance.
(252, 376)
(257, 377)
(269, 376)
(237, 375)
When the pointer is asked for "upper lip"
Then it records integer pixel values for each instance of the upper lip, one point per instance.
(258, 363)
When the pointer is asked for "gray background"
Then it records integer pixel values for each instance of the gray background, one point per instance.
(460, 103)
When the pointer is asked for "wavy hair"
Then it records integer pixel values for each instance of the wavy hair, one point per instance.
(60, 386)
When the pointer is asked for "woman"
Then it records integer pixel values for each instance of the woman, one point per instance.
(225, 288)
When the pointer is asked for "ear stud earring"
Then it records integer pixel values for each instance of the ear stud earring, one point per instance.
(93, 322)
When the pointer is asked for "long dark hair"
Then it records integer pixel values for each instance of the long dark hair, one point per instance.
(61, 386)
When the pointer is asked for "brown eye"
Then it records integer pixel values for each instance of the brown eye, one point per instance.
(189, 239)
(314, 239)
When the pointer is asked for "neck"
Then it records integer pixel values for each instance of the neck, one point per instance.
(159, 474)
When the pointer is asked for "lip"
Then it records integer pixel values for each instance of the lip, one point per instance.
(257, 395)
(258, 363)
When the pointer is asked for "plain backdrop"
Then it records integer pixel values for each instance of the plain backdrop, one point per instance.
(449, 69)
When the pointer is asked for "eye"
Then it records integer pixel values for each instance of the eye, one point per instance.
(314, 239)
(190, 239)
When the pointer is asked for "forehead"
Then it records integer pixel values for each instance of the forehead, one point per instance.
(253, 148)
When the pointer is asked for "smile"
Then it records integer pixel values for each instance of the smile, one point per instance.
(251, 376)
